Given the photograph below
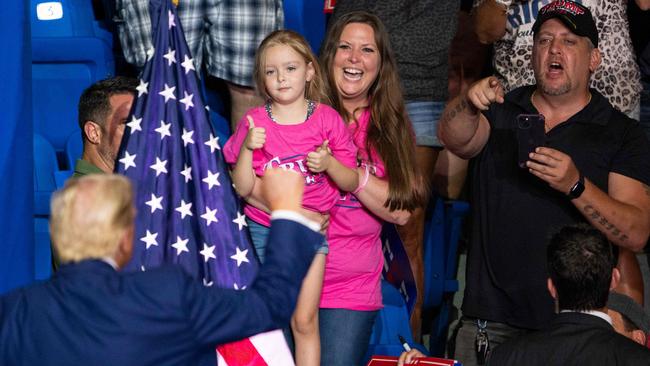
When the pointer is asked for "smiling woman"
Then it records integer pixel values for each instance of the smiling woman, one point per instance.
(356, 64)
(361, 73)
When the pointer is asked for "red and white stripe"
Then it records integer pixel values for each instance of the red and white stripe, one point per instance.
(264, 349)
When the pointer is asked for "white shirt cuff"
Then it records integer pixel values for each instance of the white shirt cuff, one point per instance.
(295, 216)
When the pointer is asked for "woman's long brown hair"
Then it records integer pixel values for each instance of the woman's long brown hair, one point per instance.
(390, 132)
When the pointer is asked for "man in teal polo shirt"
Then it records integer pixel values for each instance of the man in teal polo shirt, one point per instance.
(103, 111)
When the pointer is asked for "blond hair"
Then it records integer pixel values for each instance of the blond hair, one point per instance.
(315, 89)
(90, 215)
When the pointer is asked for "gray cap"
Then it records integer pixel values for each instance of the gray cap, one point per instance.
(628, 307)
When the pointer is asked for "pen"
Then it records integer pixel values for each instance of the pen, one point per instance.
(406, 346)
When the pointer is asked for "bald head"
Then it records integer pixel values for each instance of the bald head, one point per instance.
(92, 217)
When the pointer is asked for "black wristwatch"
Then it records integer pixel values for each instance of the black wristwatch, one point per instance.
(577, 188)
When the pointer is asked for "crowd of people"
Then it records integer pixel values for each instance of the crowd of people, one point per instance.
(365, 128)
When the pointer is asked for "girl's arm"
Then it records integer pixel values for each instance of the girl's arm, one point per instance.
(322, 160)
(243, 175)
(373, 193)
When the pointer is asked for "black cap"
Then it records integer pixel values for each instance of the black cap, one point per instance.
(628, 307)
(576, 17)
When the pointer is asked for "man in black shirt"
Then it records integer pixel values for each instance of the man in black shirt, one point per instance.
(593, 166)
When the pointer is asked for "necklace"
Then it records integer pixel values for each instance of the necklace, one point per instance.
(310, 110)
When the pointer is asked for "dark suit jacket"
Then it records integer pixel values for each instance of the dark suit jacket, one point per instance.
(90, 314)
(572, 339)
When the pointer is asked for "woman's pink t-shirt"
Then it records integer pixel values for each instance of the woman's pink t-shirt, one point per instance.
(354, 263)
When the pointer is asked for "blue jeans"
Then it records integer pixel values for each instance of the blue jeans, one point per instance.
(259, 234)
(424, 116)
(344, 336)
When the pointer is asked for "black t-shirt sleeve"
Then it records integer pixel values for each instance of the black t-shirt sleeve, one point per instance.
(633, 157)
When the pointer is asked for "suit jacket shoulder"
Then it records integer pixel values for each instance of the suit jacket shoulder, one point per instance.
(572, 339)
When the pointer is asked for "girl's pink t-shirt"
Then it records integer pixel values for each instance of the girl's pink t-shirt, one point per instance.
(287, 146)
(355, 260)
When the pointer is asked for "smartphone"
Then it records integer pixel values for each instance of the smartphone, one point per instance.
(530, 134)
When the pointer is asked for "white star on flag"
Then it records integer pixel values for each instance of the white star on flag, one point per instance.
(164, 129)
(160, 166)
(184, 209)
(155, 203)
(236, 286)
(187, 137)
(142, 88)
(208, 252)
(150, 239)
(172, 23)
(180, 245)
(128, 160)
(240, 220)
(209, 216)
(188, 64)
(187, 100)
(168, 93)
(150, 53)
(170, 56)
(207, 283)
(212, 180)
(213, 142)
(187, 173)
(240, 256)
(134, 124)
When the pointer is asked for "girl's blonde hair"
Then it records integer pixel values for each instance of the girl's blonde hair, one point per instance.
(314, 90)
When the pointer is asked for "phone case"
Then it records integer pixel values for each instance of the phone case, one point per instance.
(530, 134)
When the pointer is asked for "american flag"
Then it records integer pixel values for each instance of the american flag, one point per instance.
(188, 213)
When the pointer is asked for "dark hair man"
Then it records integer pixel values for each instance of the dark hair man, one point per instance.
(103, 111)
(89, 313)
(593, 166)
(581, 270)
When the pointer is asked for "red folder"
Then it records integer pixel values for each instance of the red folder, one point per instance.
(429, 361)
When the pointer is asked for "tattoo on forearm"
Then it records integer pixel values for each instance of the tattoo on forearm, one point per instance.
(599, 219)
(451, 114)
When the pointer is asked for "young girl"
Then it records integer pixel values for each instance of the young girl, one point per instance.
(293, 130)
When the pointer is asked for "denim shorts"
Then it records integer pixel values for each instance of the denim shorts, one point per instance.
(259, 234)
(424, 116)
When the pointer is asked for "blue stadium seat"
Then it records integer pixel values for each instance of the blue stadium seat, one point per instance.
(42, 249)
(73, 148)
(307, 18)
(392, 321)
(69, 53)
(45, 166)
(61, 176)
(441, 236)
